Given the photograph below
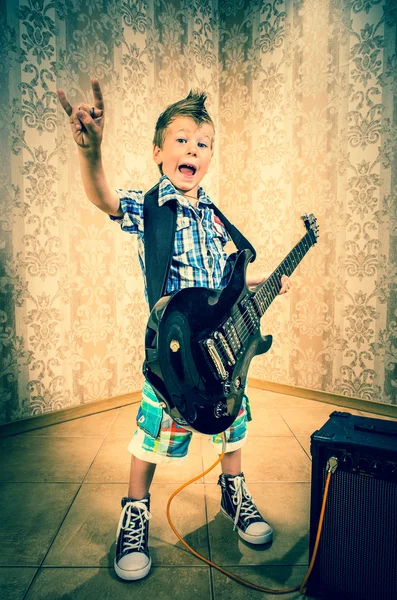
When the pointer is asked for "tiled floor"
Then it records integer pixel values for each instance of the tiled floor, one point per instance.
(60, 491)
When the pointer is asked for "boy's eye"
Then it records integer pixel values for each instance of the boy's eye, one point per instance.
(181, 140)
(202, 145)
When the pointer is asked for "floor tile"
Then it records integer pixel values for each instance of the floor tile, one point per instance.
(79, 564)
(87, 584)
(31, 514)
(260, 398)
(284, 505)
(112, 463)
(95, 425)
(14, 581)
(124, 424)
(266, 459)
(88, 535)
(304, 441)
(270, 577)
(34, 458)
(188, 513)
(284, 400)
(267, 422)
(306, 420)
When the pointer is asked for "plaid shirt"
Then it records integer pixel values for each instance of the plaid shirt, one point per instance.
(199, 259)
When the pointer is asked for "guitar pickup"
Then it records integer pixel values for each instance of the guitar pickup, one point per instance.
(232, 336)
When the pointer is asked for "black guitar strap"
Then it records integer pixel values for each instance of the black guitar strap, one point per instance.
(159, 235)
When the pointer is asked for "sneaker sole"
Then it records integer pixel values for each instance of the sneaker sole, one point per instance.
(251, 539)
(132, 575)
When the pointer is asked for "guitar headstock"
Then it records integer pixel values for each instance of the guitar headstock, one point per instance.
(310, 222)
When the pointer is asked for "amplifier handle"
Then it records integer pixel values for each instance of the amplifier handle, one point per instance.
(373, 429)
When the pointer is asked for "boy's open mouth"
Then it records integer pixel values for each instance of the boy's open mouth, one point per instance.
(187, 169)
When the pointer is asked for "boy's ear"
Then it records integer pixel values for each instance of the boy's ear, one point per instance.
(157, 155)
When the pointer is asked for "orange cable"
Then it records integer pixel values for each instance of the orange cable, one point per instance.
(300, 587)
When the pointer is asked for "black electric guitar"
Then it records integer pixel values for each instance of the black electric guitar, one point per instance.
(199, 342)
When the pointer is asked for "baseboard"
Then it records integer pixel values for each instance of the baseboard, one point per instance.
(68, 414)
(379, 408)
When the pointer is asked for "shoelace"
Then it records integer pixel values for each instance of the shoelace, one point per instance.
(134, 527)
(243, 500)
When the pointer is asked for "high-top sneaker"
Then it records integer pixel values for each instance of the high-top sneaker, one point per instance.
(238, 505)
(132, 553)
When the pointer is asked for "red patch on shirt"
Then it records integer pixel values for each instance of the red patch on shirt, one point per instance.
(217, 220)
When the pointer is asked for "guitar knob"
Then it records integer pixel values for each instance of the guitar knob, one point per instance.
(175, 345)
(226, 387)
(220, 409)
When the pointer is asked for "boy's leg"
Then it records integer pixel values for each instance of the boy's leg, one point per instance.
(237, 503)
(158, 439)
(231, 462)
(141, 476)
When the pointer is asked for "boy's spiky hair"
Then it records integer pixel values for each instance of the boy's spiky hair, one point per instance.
(192, 106)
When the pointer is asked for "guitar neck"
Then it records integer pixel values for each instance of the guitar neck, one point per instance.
(269, 289)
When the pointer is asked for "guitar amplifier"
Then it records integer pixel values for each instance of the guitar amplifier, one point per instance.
(357, 555)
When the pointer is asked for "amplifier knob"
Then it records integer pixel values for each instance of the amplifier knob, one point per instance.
(390, 469)
(376, 467)
(363, 464)
(347, 461)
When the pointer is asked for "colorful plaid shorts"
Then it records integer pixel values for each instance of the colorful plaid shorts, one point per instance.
(159, 439)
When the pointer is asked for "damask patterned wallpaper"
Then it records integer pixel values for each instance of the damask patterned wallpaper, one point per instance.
(303, 94)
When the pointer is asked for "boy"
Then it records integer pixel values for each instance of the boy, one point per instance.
(182, 149)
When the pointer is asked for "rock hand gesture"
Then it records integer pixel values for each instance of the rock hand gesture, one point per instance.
(86, 121)
(87, 124)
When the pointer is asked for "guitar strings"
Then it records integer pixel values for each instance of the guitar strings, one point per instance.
(276, 272)
(279, 270)
(250, 327)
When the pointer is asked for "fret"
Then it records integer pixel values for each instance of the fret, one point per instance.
(265, 295)
(258, 301)
(245, 318)
(291, 266)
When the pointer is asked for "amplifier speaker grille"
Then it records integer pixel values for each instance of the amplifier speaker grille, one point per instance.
(358, 551)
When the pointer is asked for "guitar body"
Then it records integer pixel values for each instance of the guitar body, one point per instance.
(200, 342)
(199, 378)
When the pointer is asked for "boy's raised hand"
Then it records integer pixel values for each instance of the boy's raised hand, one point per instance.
(86, 121)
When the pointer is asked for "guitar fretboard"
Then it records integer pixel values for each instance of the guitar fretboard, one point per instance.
(268, 290)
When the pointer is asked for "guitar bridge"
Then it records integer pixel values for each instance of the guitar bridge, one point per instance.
(216, 359)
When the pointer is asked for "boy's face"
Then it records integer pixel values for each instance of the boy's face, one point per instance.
(186, 153)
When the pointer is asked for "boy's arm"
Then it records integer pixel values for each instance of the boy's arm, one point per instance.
(87, 124)
(96, 185)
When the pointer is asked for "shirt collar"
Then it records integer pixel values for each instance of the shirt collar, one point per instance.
(168, 192)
